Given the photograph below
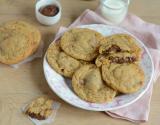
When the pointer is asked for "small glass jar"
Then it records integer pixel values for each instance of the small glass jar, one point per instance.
(114, 10)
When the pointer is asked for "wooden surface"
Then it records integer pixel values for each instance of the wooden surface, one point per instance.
(18, 86)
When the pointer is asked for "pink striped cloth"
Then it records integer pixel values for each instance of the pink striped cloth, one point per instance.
(150, 35)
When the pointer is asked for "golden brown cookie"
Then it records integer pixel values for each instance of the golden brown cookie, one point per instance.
(81, 43)
(121, 57)
(125, 78)
(26, 28)
(88, 85)
(120, 43)
(40, 108)
(60, 61)
(18, 40)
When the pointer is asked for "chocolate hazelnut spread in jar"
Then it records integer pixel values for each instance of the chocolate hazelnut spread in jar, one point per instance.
(49, 10)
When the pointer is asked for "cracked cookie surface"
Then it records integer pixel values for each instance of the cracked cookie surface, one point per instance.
(125, 78)
(18, 40)
(81, 43)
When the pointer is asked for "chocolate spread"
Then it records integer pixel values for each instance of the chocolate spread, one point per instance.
(113, 48)
(49, 10)
(122, 60)
(36, 116)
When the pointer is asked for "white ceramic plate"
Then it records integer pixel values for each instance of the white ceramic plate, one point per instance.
(62, 87)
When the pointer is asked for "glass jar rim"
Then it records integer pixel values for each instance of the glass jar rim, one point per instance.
(102, 2)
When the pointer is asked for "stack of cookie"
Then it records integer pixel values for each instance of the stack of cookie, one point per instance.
(18, 40)
(119, 58)
(99, 67)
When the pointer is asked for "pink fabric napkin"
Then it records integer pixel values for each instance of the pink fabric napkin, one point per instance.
(150, 35)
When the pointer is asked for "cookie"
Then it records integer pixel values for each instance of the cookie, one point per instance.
(81, 43)
(40, 108)
(18, 40)
(120, 43)
(26, 28)
(125, 78)
(60, 61)
(88, 85)
(121, 57)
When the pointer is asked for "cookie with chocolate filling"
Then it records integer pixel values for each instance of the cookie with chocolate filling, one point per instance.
(120, 43)
(40, 108)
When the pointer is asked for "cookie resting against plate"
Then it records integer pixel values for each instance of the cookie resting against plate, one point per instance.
(18, 40)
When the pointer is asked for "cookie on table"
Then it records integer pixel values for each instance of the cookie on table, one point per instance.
(81, 43)
(18, 40)
(87, 83)
(26, 28)
(120, 43)
(121, 57)
(125, 78)
(60, 61)
(40, 108)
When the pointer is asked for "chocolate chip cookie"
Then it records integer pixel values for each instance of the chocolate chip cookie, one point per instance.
(60, 61)
(40, 108)
(125, 78)
(120, 43)
(88, 85)
(81, 43)
(18, 40)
